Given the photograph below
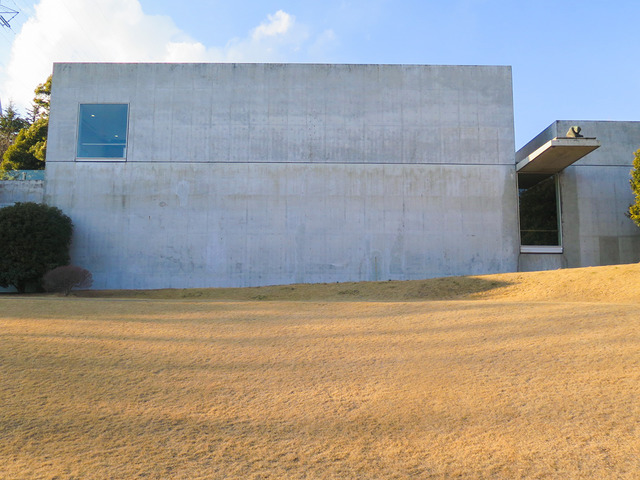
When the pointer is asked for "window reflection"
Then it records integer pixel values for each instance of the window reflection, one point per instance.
(102, 131)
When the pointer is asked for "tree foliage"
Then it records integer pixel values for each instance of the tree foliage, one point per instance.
(34, 239)
(10, 124)
(634, 210)
(42, 100)
(27, 151)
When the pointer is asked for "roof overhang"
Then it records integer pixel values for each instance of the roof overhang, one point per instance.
(556, 155)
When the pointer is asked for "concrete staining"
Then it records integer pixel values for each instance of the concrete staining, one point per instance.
(288, 223)
(251, 174)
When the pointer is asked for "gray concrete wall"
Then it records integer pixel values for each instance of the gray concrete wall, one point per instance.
(299, 113)
(240, 175)
(256, 224)
(13, 191)
(535, 262)
(596, 195)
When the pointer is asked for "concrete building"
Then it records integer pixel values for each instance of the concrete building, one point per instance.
(198, 175)
(593, 195)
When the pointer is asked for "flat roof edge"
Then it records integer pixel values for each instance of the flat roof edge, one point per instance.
(557, 154)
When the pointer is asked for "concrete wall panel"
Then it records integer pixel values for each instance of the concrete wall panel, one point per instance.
(537, 262)
(197, 225)
(295, 113)
(596, 195)
(596, 230)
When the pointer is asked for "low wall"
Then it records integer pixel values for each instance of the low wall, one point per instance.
(13, 191)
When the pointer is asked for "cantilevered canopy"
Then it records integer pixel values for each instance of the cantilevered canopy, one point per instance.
(557, 154)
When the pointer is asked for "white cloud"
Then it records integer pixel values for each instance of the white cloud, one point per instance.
(277, 24)
(278, 39)
(119, 31)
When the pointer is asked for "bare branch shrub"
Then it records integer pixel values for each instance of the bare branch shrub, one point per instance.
(66, 278)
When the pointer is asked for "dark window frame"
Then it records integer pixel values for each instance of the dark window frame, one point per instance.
(538, 239)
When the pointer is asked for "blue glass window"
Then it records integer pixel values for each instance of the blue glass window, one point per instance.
(102, 131)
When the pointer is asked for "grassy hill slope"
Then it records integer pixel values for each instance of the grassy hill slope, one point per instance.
(514, 376)
(618, 283)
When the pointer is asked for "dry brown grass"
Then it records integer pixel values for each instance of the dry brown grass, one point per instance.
(618, 283)
(515, 376)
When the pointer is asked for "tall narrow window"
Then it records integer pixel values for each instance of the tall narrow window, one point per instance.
(539, 210)
(102, 131)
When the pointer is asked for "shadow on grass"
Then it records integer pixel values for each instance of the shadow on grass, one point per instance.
(445, 288)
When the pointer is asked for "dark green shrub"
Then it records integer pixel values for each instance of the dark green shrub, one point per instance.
(34, 238)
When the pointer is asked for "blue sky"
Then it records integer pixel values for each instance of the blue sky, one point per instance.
(571, 60)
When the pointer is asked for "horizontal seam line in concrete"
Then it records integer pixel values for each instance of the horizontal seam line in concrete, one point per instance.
(285, 163)
(605, 165)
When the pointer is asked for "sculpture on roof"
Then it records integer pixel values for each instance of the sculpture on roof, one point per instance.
(574, 132)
